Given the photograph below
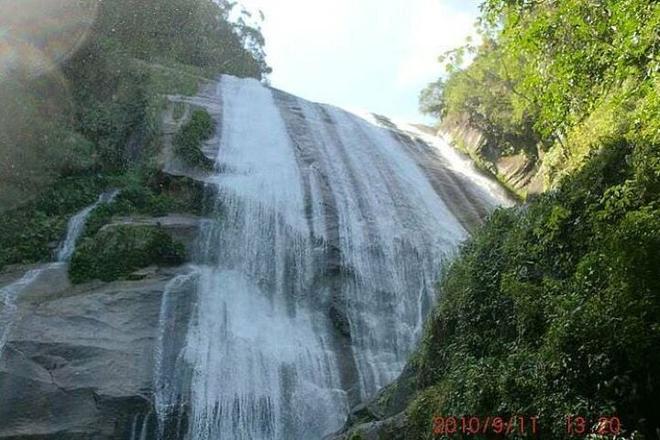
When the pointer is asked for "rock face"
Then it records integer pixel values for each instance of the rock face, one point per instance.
(183, 228)
(520, 172)
(79, 361)
(391, 428)
(172, 123)
(311, 280)
(383, 417)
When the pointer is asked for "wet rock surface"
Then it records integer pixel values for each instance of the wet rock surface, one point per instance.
(311, 282)
(391, 428)
(382, 417)
(79, 360)
(519, 171)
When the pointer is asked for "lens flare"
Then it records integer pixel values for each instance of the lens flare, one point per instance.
(37, 36)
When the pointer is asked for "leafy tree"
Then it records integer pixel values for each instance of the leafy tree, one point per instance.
(553, 308)
(551, 70)
(98, 110)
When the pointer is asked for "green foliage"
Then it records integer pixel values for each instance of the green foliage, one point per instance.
(109, 252)
(560, 76)
(155, 196)
(100, 110)
(139, 50)
(486, 94)
(188, 141)
(553, 309)
(193, 32)
(432, 99)
(116, 251)
(29, 234)
(576, 49)
(35, 150)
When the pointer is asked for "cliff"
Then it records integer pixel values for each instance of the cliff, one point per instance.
(283, 285)
(518, 172)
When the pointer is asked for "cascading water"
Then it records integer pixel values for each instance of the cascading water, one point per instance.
(314, 281)
(8, 296)
(165, 366)
(76, 226)
(10, 293)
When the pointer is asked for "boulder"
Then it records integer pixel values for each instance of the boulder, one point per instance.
(79, 360)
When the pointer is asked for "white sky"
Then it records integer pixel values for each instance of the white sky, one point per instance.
(374, 55)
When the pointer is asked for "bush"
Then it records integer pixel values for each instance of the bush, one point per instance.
(554, 309)
(188, 141)
(30, 233)
(117, 251)
(558, 78)
(153, 195)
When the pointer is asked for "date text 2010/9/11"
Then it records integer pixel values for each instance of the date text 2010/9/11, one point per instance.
(472, 425)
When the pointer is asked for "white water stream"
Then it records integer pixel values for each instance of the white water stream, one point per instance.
(10, 293)
(313, 282)
(76, 226)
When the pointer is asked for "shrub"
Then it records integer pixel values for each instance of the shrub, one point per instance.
(154, 195)
(30, 232)
(554, 309)
(116, 251)
(188, 141)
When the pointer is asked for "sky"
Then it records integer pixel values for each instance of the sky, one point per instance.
(369, 55)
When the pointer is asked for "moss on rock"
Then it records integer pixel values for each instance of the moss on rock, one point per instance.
(117, 251)
(188, 141)
(155, 195)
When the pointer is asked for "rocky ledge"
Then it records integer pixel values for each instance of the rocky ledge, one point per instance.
(79, 360)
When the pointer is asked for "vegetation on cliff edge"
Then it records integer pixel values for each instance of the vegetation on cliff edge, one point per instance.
(555, 79)
(553, 308)
(118, 250)
(188, 141)
(98, 112)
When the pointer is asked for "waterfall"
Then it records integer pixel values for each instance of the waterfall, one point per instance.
(315, 276)
(142, 433)
(143, 429)
(8, 296)
(10, 293)
(166, 393)
(76, 226)
(134, 427)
